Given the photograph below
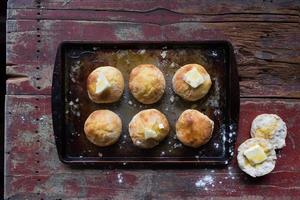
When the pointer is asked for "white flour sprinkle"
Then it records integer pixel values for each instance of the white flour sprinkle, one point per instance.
(177, 145)
(163, 54)
(172, 65)
(279, 155)
(74, 108)
(231, 175)
(216, 145)
(130, 102)
(142, 51)
(172, 99)
(205, 181)
(120, 178)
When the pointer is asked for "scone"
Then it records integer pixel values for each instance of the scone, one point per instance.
(191, 82)
(148, 128)
(193, 128)
(105, 85)
(256, 157)
(147, 83)
(103, 128)
(270, 127)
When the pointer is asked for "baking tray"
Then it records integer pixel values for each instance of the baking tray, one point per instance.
(71, 105)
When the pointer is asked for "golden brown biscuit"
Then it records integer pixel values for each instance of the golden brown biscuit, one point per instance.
(147, 83)
(193, 128)
(103, 128)
(96, 85)
(185, 90)
(148, 127)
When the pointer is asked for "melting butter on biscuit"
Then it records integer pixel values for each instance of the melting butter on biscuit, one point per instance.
(255, 154)
(149, 133)
(161, 126)
(267, 127)
(193, 78)
(102, 84)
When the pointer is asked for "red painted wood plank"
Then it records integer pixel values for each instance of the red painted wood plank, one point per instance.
(266, 67)
(159, 16)
(43, 175)
(190, 6)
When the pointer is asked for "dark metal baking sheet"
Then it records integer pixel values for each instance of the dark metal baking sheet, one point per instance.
(71, 105)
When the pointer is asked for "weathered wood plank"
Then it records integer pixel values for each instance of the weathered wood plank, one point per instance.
(265, 35)
(21, 4)
(266, 67)
(33, 168)
(158, 16)
(190, 6)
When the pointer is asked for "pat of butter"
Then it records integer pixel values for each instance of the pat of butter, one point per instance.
(255, 154)
(193, 78)
(267, 127)
(161, 126)
(267, 131)
(102, 84)
(149, 133)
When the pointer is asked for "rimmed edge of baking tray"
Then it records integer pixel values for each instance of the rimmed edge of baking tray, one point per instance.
(58, 99)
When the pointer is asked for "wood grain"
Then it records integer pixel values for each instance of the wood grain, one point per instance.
(266, 40)
(159, 16)
(34, 171)
(189, 6)
(266, 66)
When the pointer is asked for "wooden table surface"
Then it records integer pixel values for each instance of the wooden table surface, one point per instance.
(266, 40)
